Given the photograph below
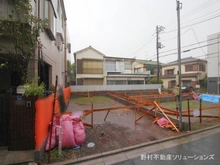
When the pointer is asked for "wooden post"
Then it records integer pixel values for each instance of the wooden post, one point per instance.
(189, 115)
(219, 108)
(92, 115)
(200, 110)
(88, 93)
(135, 109)
(177, 109)
(106, 115)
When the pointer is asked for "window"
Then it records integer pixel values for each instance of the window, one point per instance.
(69, 47)
(191, 67)
(127, 65)
(110, 66)
(188, 68)
(136, 82)
(172, 83)
(46, 9)
(62, 20)
(186, 83)
(58, 7)
(169, 72)
(116, 82)
(138, 70)
(92, 67)
(202, 67)
(49, 14)
(93, 82)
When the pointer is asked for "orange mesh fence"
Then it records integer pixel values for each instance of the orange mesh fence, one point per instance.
(43, 116)
(67, 92)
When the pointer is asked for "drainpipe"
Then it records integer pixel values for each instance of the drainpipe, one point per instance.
(65, 54)
(38, 48)
(218, 66)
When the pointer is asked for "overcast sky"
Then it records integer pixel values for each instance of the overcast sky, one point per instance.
(126, 28)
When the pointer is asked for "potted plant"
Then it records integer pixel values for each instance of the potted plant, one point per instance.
(32, 89)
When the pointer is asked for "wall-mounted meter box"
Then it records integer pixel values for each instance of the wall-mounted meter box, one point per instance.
(176, 90)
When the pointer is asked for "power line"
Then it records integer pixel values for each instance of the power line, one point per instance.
(144, 44)
(176, 36)
(186, 46)
(193, 24)
(184, 51)
(199, 9)
(197, 39)
(195, 10)
(198, 18)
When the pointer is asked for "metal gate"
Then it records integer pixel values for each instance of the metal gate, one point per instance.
(22, 123)
(4, 119)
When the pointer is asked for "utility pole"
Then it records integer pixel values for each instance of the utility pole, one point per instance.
(179, 6)
(158, 46)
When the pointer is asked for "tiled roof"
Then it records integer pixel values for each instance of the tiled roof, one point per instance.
(184, 60)
(90, 47)
(147, 62)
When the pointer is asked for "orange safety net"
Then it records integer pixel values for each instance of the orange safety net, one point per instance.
(43, 116)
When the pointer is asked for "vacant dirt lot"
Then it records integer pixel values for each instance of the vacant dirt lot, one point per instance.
(119, 130)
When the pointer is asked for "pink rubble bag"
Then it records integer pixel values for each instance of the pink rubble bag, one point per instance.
(79, 130)
(68, 140)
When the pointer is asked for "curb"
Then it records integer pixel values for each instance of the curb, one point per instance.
(108, 153)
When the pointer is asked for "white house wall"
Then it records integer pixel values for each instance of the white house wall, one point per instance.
(136, 65)
(175, 67)
(89, 54)
(213, 58)
(51, 54)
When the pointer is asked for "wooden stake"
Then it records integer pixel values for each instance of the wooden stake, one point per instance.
(189, 115)
(219, 108)
(106, 115)
(166, 116)
(200, 110)
(92, 115)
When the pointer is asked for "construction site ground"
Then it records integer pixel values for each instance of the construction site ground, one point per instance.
(119, 130)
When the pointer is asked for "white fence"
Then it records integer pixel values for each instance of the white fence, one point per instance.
(84, 88)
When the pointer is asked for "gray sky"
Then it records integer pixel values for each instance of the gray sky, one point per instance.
(126, 28)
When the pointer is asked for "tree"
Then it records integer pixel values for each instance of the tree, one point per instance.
(20, 31)
(154, 81)
(73, 74)
(203, 82)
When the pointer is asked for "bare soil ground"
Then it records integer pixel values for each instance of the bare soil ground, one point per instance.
(119, 130)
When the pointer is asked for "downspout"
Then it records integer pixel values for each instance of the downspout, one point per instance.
(65, 55)
(38, 51)
(218, 65)
(65, 42)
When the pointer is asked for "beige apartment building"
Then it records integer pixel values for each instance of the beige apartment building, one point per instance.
(192, 71)
(95, 68)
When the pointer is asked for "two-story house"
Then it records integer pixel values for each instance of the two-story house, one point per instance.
(95, 68)
(213, 59)
(48, 60)
(192, 71)
(45, 62)
(141, 66)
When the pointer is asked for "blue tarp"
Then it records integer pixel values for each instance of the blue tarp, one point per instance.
(209, 98)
